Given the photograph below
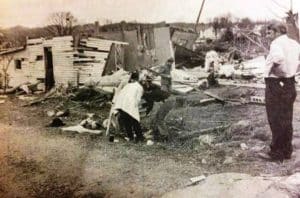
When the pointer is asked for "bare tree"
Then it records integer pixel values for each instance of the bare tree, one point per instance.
(291, 19)
(246, 23)
(293, 29)
(61, 23)
(221, 22)
(5, 61)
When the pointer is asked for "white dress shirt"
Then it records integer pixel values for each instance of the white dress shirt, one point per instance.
(129, 98)
(285, 52)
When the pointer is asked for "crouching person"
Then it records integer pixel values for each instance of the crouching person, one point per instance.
(127, 104)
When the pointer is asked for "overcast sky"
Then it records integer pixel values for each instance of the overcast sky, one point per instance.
(32, 13)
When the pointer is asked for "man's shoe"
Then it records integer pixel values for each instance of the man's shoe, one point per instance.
(271, 156)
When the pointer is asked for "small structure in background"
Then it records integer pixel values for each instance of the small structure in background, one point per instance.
(58, 61)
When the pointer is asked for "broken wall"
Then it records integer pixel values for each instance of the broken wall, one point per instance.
(93, 55)
(62, 54)
(115, 60)
(163, 49)
(86, 63)
(184, 39)
(27, 65)
(148, 46)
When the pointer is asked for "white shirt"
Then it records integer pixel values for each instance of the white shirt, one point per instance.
(285, 52)
(211, 56)
(129, 98)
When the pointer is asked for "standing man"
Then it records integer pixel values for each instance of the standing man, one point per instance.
(166, 79)
(212, 62)
(127, 104)
(281, 66)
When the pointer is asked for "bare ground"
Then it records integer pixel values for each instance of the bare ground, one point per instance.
(44, 162)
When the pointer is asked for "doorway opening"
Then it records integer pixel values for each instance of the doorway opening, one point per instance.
(49, 75)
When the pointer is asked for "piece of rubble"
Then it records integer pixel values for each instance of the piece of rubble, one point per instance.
(244, 146)
(26, 89)
(27, 98)
(150, 143)
(51, 113)
(203, 161)
(148, 134)
(207, 101)
(127, 139)
(197, 179)
(257, 100)
(206, 139)
(2, 101)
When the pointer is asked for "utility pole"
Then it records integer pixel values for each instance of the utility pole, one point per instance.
(202, 5)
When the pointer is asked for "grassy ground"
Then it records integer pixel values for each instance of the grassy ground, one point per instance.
(44, 162)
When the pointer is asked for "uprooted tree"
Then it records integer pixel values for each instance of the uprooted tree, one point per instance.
(5, 61)
(61, 23)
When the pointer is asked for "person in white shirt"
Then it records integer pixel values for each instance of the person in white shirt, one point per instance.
(127, 104)
(281, 66)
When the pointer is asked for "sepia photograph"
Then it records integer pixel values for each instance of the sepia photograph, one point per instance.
(149, 99)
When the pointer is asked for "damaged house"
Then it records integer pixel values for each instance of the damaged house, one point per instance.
(149, 44)
(61, 61)
(184, 47)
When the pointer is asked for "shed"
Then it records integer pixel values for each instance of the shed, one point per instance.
(58, 61)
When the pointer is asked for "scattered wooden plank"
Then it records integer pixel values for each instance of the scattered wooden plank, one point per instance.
(207, 101)
(197, 179)
(81, 129)
(215, 96)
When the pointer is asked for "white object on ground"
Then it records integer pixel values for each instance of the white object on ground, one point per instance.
(197, 179)
(244, 146)
(81, 129)
(150, 142)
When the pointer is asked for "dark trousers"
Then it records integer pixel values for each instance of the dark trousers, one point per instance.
(280, 96)
(130, 124)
